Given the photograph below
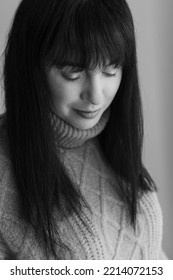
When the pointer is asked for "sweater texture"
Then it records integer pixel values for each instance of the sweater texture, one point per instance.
(111, 236)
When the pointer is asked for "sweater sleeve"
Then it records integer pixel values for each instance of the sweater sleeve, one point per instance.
(162, 255)
(5, 227)
(5, 252)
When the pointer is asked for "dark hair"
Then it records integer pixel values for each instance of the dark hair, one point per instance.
(55, 32)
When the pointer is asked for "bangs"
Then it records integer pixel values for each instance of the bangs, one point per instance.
(88, 36)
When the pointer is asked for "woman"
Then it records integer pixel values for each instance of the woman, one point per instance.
(73, 185)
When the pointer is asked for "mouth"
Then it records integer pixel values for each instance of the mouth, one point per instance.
(88, 114)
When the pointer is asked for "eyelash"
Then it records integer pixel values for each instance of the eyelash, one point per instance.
(108, 75)
(70, 79)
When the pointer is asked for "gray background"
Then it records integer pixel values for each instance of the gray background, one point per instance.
(153, 23)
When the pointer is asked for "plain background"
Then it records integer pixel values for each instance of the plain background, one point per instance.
(153, 23)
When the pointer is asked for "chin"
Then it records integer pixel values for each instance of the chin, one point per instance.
(86, 124)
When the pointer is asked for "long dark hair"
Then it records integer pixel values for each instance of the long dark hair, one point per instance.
(55, 32)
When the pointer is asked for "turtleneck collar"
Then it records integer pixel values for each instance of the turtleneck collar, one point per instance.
(67, 136)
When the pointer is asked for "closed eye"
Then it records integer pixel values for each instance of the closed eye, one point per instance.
(109, 75)
(71, 76)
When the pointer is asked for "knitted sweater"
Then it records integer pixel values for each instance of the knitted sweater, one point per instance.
(112, 236)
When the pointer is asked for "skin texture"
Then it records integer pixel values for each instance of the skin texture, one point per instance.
(75, 90)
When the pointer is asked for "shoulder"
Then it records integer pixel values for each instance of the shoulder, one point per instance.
(150, 202)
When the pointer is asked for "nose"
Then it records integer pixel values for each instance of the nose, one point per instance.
(92, 91)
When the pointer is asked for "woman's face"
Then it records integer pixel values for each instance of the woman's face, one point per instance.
(80, 96)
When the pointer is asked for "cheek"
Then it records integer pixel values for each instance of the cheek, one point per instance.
(62, 92)
(111, 90)
(58, 90)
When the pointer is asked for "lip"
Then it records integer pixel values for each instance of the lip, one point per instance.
(88, 114)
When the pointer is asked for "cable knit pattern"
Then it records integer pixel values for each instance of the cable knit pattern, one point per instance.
(110, 236)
